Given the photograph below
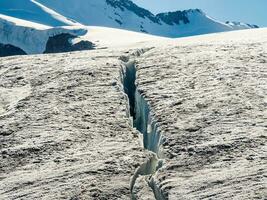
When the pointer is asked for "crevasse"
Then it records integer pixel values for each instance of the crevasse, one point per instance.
(144, 121)
(140, 111)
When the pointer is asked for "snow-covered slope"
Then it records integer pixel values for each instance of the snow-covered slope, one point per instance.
(127, 15)
(240, 25)
(123, 14)
(29, 36)
(33, 11)
(104, 37)
(32, 37)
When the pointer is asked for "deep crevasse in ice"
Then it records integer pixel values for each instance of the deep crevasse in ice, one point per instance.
(146, 124)
(144, 121)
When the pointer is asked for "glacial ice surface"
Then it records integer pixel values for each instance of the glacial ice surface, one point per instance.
(69, 135)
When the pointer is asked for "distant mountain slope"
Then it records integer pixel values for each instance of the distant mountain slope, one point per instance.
(240, 25)
(127, 15)
(33, 11)
(123, 14)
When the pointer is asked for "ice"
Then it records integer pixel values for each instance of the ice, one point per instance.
(114, 14)
(146, 124)
(31, 37)
(68, 134)
(140, 111)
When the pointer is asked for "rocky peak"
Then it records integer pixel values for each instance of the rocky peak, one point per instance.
(241, 24)
(177, 17)
(129, 5)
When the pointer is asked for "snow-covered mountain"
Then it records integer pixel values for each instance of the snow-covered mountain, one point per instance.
(240, 25)
(19, 36)
(29, 24)
(33, 11)
(123, 14)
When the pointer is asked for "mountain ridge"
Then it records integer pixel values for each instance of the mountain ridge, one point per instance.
(28, 24)
(122, 14)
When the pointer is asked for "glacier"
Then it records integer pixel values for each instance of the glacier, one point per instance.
(31, 37)
(145, 118)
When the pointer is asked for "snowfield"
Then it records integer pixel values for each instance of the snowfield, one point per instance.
(165, 119)
(105, 37)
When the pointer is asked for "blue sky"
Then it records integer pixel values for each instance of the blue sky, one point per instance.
(249, 11)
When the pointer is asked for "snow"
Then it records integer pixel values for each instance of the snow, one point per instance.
(117, 38)
(100, 13)
(240, 36)
(28, 24)
(199, 24)
(33, 11)
(31, 37)
(20, 22)
(241, 25)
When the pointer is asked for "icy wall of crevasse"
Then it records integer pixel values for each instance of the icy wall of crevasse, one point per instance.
(129, 85)
(144, 122)
(140, 111)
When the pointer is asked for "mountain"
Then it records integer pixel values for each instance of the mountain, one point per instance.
(19, 36)
(33, 11)
(240, 25)
(127, 15)
(34, 26)
(123, 14)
